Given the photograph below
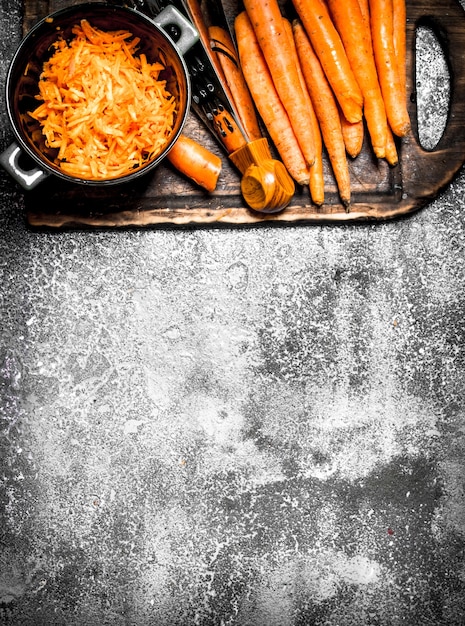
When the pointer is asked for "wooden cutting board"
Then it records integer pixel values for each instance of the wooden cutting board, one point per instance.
(164, 197)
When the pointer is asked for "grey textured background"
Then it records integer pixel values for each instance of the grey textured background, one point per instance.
(257, 427)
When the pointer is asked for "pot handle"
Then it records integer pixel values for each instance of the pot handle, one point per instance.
(170, 16)
(28, 179)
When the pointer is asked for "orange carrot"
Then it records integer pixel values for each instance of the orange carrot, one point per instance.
(104, 108)
(224, 49)
(365, 9)
(267, 22)
(399, 18)
(317, 180)
(352, 134)
(317, 183)
(330, 50)
(356, 36)
(391, 149)
(381, 15)
(269, 106)
(195, 161)
(195, 13)
(326, 110)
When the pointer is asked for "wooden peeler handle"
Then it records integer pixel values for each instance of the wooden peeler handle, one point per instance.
(266, 184)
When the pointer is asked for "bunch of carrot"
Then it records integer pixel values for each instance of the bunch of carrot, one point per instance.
(318, 81)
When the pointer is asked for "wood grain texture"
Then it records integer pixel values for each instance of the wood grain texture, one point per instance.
(166, 198)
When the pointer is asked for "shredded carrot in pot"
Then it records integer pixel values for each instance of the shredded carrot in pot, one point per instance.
(104, 108)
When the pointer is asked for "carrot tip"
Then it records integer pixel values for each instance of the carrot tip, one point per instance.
(379, 152)
(392, 162)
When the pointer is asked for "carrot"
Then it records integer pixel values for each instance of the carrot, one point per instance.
(399, 18)
(269, 106)
(330, 50)
(103, 108)
(224, 49)
(354, 143)
(356, 37)
(326, 110)
(381, 15)
(399, 45)
(352, 134)
(195, 13)
(365, 9)
(195, 161)
(267, 22)
(317, 183)
(391, 149)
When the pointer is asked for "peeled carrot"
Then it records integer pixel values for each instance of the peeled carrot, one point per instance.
(104, 108)
(353, 134)
(391, 149)
(356, 36)
(224, 49)
(267, 22)
(269, 106)
(381, 15)
(317, 182)
(195, 161)
(365, 9)
(330, 50)
(326, 110)
(399, 20)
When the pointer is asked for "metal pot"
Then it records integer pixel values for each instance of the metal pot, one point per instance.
(27, 64)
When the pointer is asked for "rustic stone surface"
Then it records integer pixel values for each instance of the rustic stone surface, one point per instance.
(256, 427)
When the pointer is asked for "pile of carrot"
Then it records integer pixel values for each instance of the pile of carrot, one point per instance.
(320, 82)
(103, 107)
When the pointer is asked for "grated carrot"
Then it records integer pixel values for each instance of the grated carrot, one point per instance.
(103, 107)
